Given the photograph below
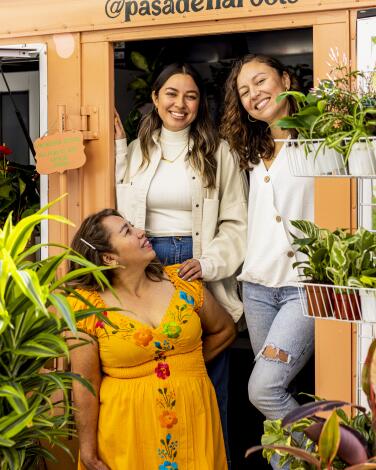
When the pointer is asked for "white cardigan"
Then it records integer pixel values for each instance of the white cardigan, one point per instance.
(218, 214)
(275, 198)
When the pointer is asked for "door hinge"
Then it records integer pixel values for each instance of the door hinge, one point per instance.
(87, 122)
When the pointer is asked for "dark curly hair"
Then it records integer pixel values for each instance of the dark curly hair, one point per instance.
(202, 131)
(95, 234)
(250, 140)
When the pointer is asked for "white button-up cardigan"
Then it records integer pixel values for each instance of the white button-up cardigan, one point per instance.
(275, 198)
(219, 215)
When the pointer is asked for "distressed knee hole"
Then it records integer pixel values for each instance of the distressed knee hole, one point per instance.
(275, 354)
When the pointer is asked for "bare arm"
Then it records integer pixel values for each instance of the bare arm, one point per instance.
(85, 361)
(218, 327)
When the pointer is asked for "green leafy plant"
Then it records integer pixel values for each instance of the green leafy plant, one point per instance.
(337, 442)
(341, 110)
(141, 85)
(35, 404)
(310, 108)
(336, 257)
(316, 245)
(19, 188)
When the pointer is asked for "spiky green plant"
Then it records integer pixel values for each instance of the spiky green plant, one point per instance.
(35, 406)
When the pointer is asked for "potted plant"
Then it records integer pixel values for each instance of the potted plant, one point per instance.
(339, 259)
(337, 442)
(364, 275)
(34, 313)
(315, 245)
(318, 158)
(336, 117)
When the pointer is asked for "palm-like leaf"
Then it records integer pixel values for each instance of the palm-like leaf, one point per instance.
(34, 313)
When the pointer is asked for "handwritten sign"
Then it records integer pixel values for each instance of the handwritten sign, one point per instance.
(59, 152)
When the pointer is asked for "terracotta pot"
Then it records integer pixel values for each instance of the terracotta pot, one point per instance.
(347, 306)
(319, 301)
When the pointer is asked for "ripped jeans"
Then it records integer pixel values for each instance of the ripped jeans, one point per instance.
(282, 340)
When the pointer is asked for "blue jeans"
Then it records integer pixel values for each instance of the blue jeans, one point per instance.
(173, 250)
(276, 324)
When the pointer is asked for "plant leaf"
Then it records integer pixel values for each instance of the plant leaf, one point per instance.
(300, 453)
(329, 439)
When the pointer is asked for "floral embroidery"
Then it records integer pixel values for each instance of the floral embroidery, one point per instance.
(168, 451)
(171, 329)
(188, 298)
(162, 370)
(168, 419)
(143, 336)
(168, 466)
(161, 349)
(100, 323)
(168, 399)
(126, 328)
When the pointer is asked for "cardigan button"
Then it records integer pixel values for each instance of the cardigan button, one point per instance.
(197, 205)
(267, 179)
(193, 177)
(278, 218)
(290, 254)
(197, 233)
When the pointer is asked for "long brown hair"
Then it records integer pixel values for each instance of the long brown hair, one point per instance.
(92, 241)
(250, 140)
(202, 132)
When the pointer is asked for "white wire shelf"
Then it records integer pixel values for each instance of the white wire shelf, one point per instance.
(351, 304)
(309, 158)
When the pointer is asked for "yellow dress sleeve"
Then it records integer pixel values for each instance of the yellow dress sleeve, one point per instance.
(89, 324)
(192, 288)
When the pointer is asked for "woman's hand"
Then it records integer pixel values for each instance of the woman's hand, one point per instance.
(93, 463)
(190, 270)
(119, 129)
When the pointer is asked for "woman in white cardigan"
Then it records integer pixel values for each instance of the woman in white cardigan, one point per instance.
(281, 337)
(182, 184)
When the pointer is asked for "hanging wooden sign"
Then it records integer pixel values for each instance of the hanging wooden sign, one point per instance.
(59, 152)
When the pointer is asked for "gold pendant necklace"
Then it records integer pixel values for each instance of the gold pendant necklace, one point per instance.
(174, 159)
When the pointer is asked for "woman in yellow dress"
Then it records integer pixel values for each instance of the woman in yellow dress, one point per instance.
(155, 407)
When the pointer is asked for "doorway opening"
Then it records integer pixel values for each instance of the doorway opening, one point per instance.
(25, 69)
(137, 63)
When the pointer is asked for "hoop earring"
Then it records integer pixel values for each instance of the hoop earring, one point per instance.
(251, 120)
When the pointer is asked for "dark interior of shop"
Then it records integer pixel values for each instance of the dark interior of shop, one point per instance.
(136, 65)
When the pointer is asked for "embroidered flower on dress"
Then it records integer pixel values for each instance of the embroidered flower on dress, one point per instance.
(100, 323)
(188, 298)
(143, 336)
(162, 370)
(171, 329)
(168, 419)
(168, 466)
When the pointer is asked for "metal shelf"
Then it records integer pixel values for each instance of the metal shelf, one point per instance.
(309, 158)
(350, 304)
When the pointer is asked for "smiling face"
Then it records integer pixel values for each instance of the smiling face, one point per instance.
(258, 86)
(130, 245)
(177, 102)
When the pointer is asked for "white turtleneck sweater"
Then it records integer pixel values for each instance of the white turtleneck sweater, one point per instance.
(169, 199)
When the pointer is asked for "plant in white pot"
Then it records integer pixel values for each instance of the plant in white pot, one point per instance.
(349, 118)
(337, 121)
(308, 154)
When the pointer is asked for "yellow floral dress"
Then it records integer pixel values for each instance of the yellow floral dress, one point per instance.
(158, 409)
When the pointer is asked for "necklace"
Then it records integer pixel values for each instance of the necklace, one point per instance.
(174, 159)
